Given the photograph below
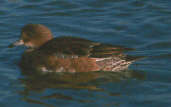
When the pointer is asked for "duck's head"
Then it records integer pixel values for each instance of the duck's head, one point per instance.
(33, 35)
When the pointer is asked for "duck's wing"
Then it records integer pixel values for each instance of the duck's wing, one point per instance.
(80, 47)
(106, 50)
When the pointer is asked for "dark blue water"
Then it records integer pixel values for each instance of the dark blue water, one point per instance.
(141, 24)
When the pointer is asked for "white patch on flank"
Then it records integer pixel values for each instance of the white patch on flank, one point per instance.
(74, 56)
(61, 69)
(101, 59)
(44, 69)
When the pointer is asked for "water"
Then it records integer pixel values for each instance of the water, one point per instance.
(141, 24)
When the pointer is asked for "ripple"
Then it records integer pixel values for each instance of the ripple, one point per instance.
(141, 24)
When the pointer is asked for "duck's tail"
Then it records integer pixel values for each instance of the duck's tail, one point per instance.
(117, 64)
(133, 58)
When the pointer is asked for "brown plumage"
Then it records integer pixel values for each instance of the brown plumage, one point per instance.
(69, 54)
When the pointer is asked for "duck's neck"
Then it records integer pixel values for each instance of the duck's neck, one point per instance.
(37, 44)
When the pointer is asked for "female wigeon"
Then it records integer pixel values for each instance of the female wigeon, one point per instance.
(68, 54)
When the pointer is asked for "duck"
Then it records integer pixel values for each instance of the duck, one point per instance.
(47, 53)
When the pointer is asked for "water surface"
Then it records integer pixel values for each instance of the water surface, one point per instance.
(141, 24)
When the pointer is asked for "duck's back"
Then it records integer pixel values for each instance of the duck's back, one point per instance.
(80, 47)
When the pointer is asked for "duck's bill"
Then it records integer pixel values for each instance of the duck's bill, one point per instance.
(17, 43)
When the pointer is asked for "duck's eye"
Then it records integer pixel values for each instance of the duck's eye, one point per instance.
(26, 39)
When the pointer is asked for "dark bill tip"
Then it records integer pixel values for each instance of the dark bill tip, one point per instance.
(11, 46)
(17, 43)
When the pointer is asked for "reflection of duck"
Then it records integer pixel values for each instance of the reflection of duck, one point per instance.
(78, 80)
(69, 54)
(61, 82)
